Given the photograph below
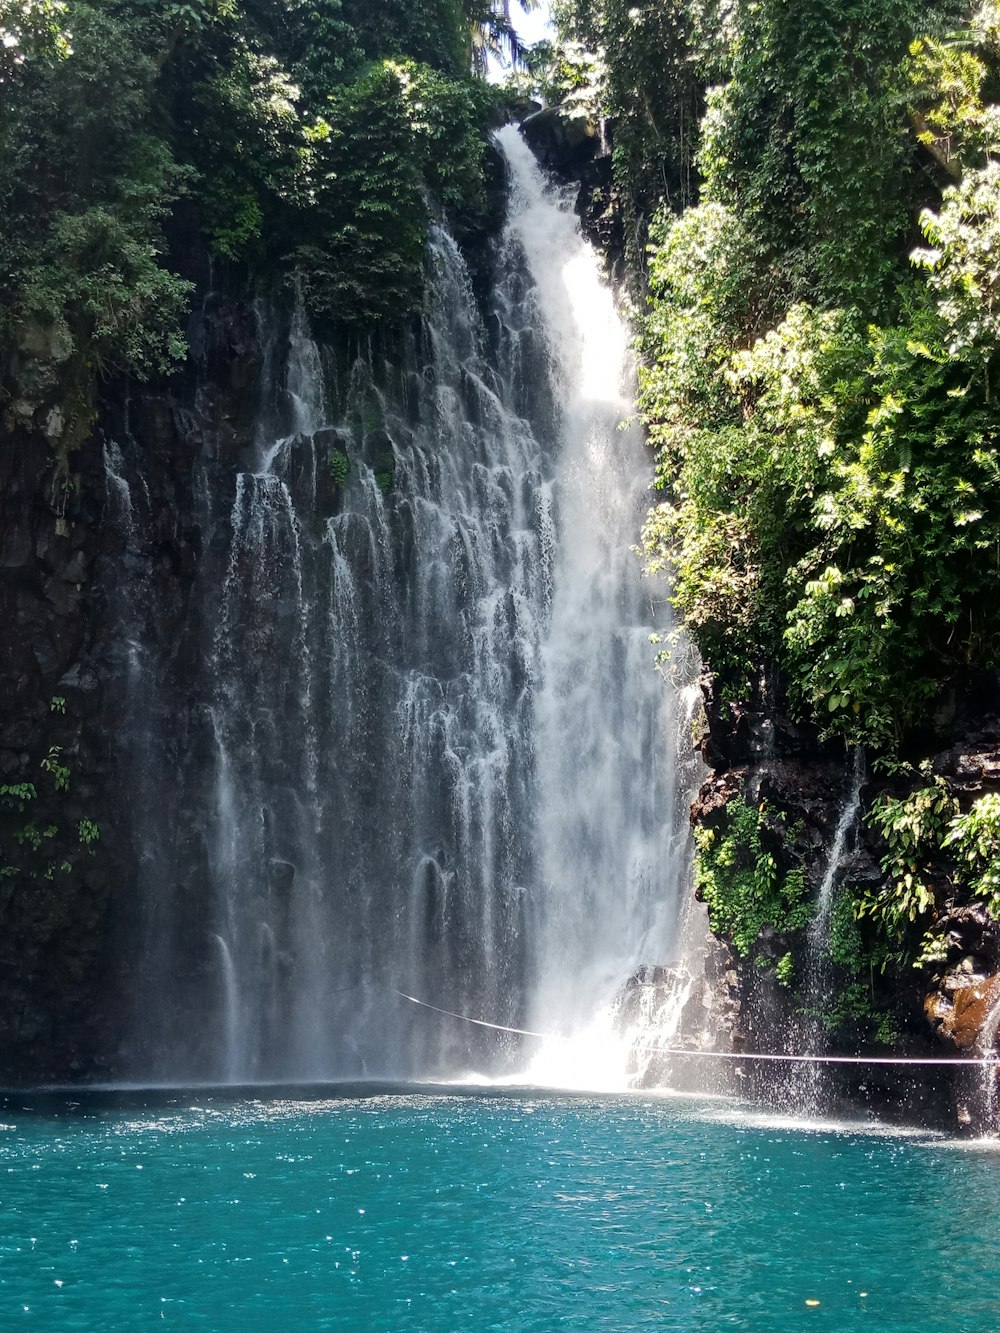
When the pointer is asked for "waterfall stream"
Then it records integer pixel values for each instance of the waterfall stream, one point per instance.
(421, 743)
(808, 1079)
(819, 928)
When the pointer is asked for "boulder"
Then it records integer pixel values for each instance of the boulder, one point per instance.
(562, 140)
(969, 1017)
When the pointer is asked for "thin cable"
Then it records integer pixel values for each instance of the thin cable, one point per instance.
(835, 1059)
(978, 1061)
(481, 1022)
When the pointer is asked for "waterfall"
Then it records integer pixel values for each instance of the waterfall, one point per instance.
(808, 1079)
(118, 492)
(608, 867)
(820, 926)
(232, 1041)
(412, 736)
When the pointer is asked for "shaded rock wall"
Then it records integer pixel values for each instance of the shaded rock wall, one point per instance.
(85, 550)
(59, 857)
(67, 560)
(760, 756)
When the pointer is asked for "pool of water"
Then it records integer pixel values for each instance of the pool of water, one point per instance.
(443, 1210)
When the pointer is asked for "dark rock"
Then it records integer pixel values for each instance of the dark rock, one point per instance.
(75, 568)
(563, 141)
(517, 109)
(967, 1016)
(16, 548)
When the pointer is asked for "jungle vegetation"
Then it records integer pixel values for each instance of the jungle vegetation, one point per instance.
(293, 137)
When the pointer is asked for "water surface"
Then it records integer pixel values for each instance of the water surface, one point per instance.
(380, 1210)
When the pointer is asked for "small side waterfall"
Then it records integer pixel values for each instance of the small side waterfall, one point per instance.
(407, 733)
(232, 1036)
(808, 1078)
(819, 928)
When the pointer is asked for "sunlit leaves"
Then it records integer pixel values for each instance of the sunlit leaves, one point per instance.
(963, 259)
(31, 30)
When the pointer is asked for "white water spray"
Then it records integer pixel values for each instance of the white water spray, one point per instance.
(431, 750)
(820, 926)
(611, 867)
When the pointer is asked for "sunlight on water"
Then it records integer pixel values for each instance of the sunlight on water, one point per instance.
(591, 1060)
(602, 350)
(396, 1211)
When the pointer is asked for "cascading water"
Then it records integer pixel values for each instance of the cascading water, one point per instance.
(608, 869)
(422, 745)
(808, 1079)
(819, 928)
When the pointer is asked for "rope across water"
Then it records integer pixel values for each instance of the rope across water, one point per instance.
(978, 1061)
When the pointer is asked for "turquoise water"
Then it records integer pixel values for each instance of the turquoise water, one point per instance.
(509, 1212)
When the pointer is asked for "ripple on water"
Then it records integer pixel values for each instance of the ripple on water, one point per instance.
(508, 1211)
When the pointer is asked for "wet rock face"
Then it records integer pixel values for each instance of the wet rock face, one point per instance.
(762, 757)
(662, 1011)
(962, 1004)
(66, 870)
(564, 141)
(71, 549)
(965, 1009)
(54, 773)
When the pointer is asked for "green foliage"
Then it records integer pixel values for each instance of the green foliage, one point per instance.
(85, 183)
(59, 772)
(36, 847)
(654, 58)
(32, 837)
(31, 31)
(949, 78)
(852, 1006)
(564, 74)
(431, 31)
(88, 832)
(804, 142)
(936, 856)
(449, 35)
(320, 49)
(974, 839)
(340, 467)
(784, 970)
(740, 882)
(250, 165)
(821, 408)
(835, 494)
(963, 264)
(492, 32)
(846, 945)
(913, 828)
(18, 792)
(935, 853)
(400, 129)
(101, 284)
(740, 506)
(894, 592)
(301, 135)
